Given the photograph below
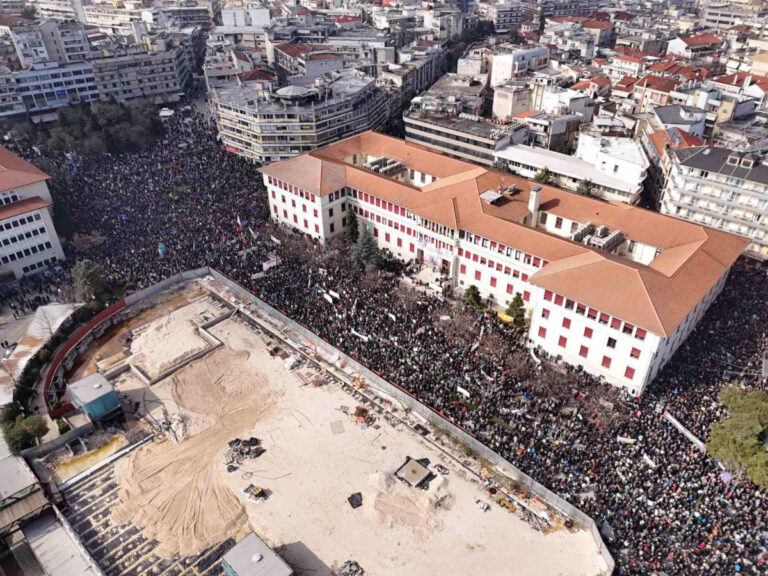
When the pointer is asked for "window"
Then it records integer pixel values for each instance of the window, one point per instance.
(547, 295)
(635, 353)
(558, 299)
(640, 334)
(413, 248)
(399, 242)
(510, 290)
(317, 229)
(587, 332)
(566, 323)
(581, 309)
(543, 218)
(611, 343)
(542, 332)
(615, 323)
(629, 373)
(526, 296)
(592, 313)
(544, 313)
(386, 236)
(295, 219)
(493, 282)
(559, 222)
(306, 224)
(604, 318)
(562, 341)
(375, 232)
(330, 212)
(477, 275)
(332, 228)
(606, 362)
(627, 328)
(583, 351)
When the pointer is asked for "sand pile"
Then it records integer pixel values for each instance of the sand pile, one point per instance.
(176, 491)
(396, 505)
(160, 344)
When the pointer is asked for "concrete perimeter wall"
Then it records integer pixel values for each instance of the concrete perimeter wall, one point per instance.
(411, 402)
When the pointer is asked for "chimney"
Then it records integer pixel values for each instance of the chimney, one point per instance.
(747, 81)
(534, 201)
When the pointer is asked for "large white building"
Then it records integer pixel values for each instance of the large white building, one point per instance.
(721, 188)
(610, 288)
(28, 240)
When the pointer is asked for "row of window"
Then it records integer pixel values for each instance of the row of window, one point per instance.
(9, 199)
(507, 270)
(26, 252)
(588, 332)
(18, 238)
(502, 249)
(593, 314)
(21, 221)
(493, 281)
(629, 371)
(38, 265)
(292, 189)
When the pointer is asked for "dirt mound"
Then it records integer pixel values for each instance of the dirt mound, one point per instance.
(176, 491)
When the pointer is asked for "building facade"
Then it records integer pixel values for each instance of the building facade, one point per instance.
(607, 288)
(722, 188)
(28, 240)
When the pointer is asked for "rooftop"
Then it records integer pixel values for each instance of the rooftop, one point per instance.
(252, 557)
(715, 159)
(657, 296)
(90, 388)
(677, 114)
(15, 172)
(461, 123)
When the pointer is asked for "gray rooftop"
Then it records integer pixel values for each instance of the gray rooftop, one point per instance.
(715, 159)
(674, 114)
(461, 123)
(252, 557)
(91, 388)
(56, 549)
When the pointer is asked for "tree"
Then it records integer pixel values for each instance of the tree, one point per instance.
(585, 187)
(544, 176)
(472, 297)
(517, 311)
(366, 251)
(501, 166)
(28, 12)
(351, 233)
(24, 432)
(87, 277)
(738, 441)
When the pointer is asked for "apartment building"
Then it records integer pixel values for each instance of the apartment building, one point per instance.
(298, 119)
(614, 167)
(462, 136)
(60, 9)
(722, 188)
(159, 69)
(28, 239)
(508, 62)
(611, 289)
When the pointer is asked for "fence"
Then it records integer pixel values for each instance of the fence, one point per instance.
(106, 315)
(411, 402)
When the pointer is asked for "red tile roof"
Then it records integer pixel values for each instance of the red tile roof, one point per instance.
(598, 25)
(701, 40)
(15, 172)
(740, 79)
(22, 207)
(658, 83)
(657, 296)
(674, 138)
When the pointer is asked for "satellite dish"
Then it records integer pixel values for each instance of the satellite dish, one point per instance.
(257, 557)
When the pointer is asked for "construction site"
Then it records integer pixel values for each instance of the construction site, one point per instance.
(231, 424)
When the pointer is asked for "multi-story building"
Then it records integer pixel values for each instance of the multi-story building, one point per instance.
(539, 10)
(10, 100)
(722, 188)
(506, 17)
(60, 9)
(510, 62)
(612, 289)
(117, 18)
(614, 168)
(462, 136)
(297, 119)
(159, 69)
(48, 86)
(510, 99)
(29, 240)
(696, 47)
(723, 15)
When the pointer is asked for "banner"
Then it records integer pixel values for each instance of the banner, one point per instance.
(275, 240)
(334, 294)
(270, 264)
(361, 336)
(463, 391)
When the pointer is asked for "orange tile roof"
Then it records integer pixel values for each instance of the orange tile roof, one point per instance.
(598, 25)
(15, 172)
(701, 40)
(22, 207)
(656, 297)
(662, 139)
(740, 79)
(658, 83)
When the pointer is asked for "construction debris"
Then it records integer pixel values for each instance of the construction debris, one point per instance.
(355, 500)
(350, 568)
(255, 493)
(241, 450)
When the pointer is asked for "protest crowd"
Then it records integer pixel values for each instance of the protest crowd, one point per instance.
(662, 505)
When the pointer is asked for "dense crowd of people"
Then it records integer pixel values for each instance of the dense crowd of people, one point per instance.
(661, 504)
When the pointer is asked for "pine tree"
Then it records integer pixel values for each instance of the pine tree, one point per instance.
(472, 297)
(366, 250)
(351, 233)
(517, 311)
(544, 176)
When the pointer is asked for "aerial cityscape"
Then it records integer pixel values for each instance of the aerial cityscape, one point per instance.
(383, 287)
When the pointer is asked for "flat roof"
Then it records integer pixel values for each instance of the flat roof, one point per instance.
(56, 549)
(252, 557)
(563, 164)
(91, 388)
(479, 128)
(413, 472)
(655, 296)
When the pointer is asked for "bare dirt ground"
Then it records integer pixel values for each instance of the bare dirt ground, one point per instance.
(317, 456)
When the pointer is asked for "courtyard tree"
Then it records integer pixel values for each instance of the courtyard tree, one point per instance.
(472, 297)
(88, 279)
(516, 311)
